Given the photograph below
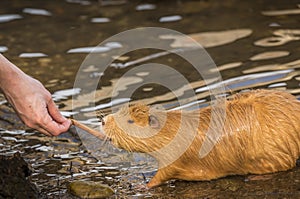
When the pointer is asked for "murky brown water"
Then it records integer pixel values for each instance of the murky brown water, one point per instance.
(252, 47)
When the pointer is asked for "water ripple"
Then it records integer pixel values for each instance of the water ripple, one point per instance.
(247, 80)
(171, 18)
(35, 11)
(9, 17)
(145, 6)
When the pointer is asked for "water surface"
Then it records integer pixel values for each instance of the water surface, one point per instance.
(254, 45)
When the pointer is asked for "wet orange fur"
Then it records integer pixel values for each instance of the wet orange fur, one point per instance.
(261, 134)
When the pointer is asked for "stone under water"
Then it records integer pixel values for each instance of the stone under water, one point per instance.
(90, 189)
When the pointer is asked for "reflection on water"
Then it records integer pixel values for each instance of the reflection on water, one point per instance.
(170, 18)
(100, 20)
(29, 55)
(142, 7)
(254, 45)
(3, 49)
(97, 49)
(274, 67)
(9, 17)
(282, 37)
(209, 39)
(81, 2)
(247, 81)
(269, 55)
(282, 12)
(35, 11)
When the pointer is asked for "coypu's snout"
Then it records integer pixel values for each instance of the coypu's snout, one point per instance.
(132, 127)
(111, 129)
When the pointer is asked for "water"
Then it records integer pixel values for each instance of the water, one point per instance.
(254, 45)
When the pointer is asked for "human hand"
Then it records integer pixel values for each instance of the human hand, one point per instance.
(35, 107)
(33, 103)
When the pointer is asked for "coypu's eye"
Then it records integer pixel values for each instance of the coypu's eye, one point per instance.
(130, 121)
(153, 122)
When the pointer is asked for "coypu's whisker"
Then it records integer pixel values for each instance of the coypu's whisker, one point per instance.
(106, 140)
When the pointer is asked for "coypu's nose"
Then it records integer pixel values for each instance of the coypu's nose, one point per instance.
(102, 121)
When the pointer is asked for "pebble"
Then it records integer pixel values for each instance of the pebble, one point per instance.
(90, 189)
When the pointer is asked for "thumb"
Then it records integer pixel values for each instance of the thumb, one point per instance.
(54, 112)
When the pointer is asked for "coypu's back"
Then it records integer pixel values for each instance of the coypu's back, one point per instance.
(261, 134)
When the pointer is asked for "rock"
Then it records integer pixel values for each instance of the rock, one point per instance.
(90, 189)
(14, 182)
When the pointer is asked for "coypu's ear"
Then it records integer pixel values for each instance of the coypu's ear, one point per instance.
(153, 122)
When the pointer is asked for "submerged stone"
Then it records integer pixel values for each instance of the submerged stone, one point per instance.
(90, 189)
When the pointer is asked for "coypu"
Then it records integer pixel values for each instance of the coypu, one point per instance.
(261, 134)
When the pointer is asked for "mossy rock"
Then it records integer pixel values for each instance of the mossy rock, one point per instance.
(90, 189)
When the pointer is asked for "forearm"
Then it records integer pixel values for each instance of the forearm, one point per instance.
(9, 74)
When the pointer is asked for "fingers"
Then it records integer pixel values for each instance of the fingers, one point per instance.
(50, 127)
(59, 121)
(48, 120)
(54, 112)
(44, 132)
(53, 122)
(35, 126)
(55, 128)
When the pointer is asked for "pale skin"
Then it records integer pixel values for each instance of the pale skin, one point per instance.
(31, 100)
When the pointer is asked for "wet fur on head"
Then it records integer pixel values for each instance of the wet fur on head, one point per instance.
(139, 128)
